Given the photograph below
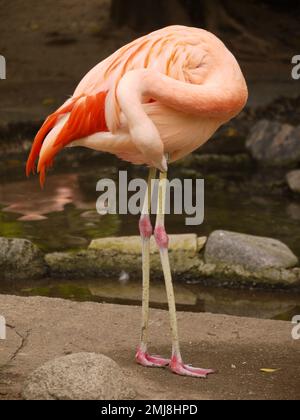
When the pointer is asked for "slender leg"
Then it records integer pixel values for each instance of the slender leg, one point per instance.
(162, 240)
(142, 356)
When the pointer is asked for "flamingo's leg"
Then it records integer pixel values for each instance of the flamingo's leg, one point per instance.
(142, 357)
(176, 365)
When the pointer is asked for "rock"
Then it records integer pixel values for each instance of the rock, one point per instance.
(234, 259)
(293, 180)
(132, 244)
(82, 376)
(110, 263)
(236, 276)
(20, 259)
(111, 256)
(201, 243)
(80, 265)
(274, 143)
(249, 252)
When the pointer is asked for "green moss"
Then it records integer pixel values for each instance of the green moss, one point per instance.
(9, 228)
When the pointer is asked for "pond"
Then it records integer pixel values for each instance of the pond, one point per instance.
(191, 297)
(63, 217)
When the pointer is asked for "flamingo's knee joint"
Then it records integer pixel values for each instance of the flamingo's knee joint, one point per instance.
(146, 229)
(161, 237)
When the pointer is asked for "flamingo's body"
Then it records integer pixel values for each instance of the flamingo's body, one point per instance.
(164, 94)
(204, 88)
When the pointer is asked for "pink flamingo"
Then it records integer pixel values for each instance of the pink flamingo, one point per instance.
(152, 102)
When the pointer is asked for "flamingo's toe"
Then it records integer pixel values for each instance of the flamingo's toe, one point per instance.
(144, 359)
(179, 368)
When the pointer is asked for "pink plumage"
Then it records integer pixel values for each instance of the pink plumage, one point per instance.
(167, 92)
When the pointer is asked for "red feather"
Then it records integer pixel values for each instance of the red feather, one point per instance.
(87, 117)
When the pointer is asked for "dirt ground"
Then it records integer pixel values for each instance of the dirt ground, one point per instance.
(40, 329)
(49, 49)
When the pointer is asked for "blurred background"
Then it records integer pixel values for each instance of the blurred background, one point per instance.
(49, 46)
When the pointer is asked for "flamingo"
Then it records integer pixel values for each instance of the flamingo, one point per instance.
(153, 102)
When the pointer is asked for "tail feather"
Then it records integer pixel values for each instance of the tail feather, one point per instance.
(38, 142)
(45, 129)
(85, 116)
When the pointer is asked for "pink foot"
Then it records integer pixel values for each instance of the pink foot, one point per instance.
(144, 359)
(179, 368)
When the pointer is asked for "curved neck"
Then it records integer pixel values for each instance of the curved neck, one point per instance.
(217, 98)
(214, 99)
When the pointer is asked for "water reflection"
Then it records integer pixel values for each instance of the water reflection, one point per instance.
(63, 215)
(25, 198)
(192, 298)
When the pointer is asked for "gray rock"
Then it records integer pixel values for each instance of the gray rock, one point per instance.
(82, 376)
(20, 259)
(293, 180)
(250, 252)
(274, 143)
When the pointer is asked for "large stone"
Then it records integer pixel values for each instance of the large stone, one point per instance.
(82, 376)
(132, 244)
(95, 263)
(274, 143)
(250, 252)
(293, 180)
(20, 259)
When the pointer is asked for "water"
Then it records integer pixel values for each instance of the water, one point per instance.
(64, 213)
(189, 297)
(63, 217)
